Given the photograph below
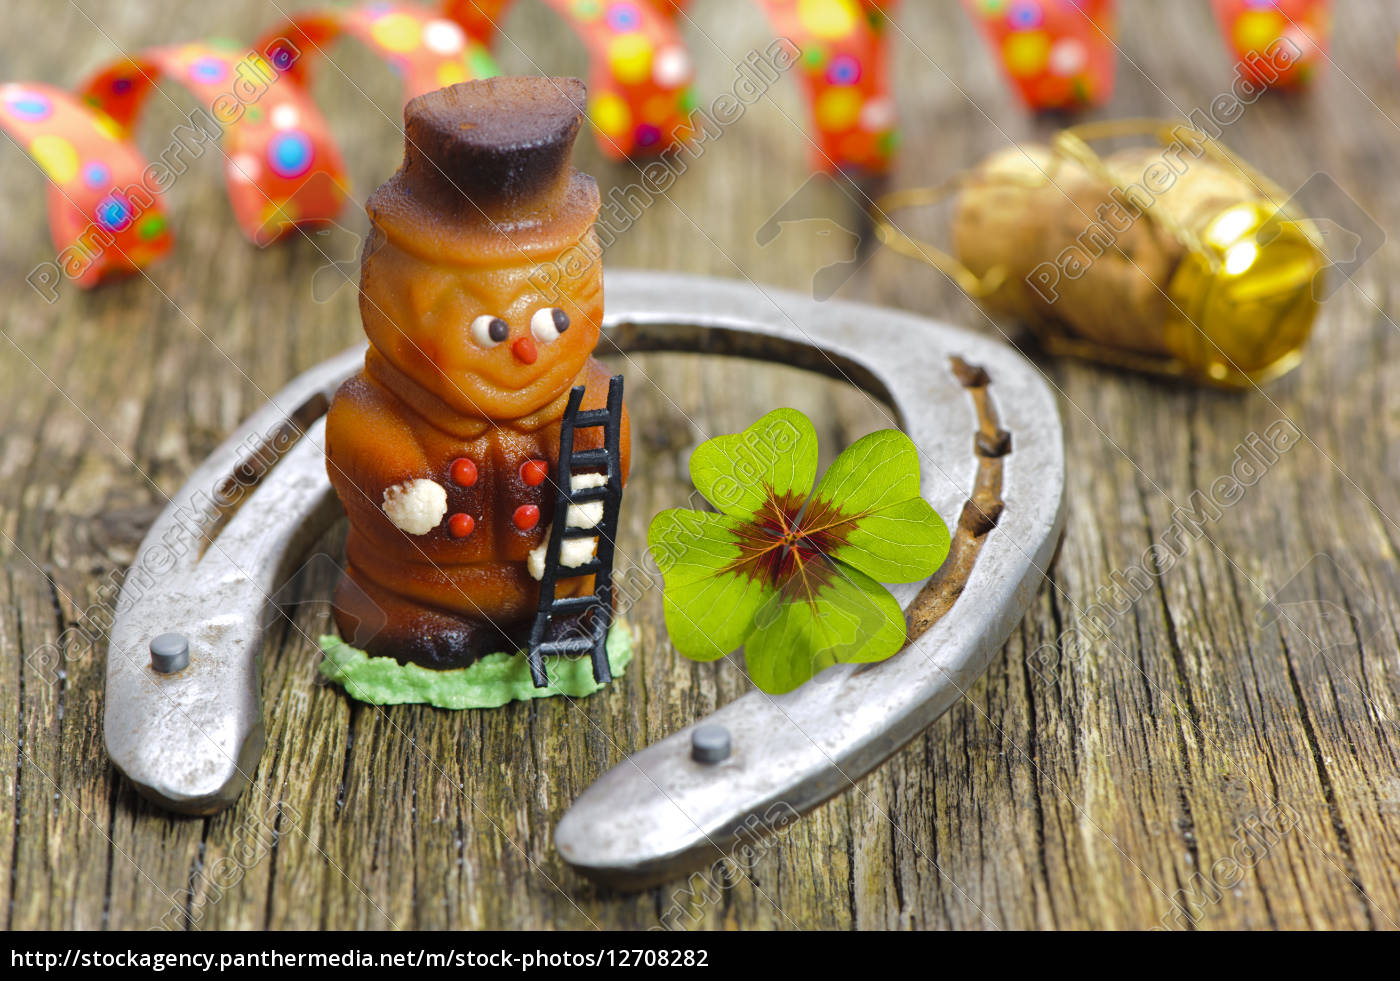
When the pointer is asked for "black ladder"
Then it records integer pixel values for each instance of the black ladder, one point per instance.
(600, 601)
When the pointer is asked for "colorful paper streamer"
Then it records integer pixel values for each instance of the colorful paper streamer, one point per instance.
(1057, 54)
(283, 169)
(103, 221)
(424, 48)
(280, 163)
(845, 78)
(1278, 44)
(639, 91)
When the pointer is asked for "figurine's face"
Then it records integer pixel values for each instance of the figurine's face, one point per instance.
(493, 342)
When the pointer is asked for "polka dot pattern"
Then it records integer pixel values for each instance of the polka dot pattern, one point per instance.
(629, 57)
(94, 180)
(639, 81)
(829, 20)
(244, 167)
(97, 175)
(114, 212)
(57, 156)
(281, 166)
(425, 49)
(671, 69)
(1279, 44)
(398, 32)
(208, 71)
(842, 65)
(843, 70)
(289, 154)
(442, 37)
(1068, 57)
(29, 106)
(610, 113)
(1056, 55)
(285, 116)
(624, 18)
(641, 99)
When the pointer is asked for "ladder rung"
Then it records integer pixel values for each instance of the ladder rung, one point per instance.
(573, 604)
(551, 647)
(585, 494)
(599, 603)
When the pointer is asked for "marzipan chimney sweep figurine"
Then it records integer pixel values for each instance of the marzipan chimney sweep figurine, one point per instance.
(443, 450)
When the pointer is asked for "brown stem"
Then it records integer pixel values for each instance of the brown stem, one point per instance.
(980, 513)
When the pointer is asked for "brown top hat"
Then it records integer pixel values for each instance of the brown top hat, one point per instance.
(486, 174)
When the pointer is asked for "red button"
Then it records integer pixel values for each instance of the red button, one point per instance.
(463, 472)
(526, 517)
(533, 472)
(461, 525)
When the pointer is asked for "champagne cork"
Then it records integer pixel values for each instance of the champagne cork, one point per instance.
(1144, 257)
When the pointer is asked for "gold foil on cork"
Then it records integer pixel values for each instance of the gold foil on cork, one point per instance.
(1209, 279)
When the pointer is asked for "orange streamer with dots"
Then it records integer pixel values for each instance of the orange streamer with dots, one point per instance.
(1279, 44)
(1057, 55)
(284, 171)
(282, 167)
(845, 77)
(425, 49)
(103, 220)
(639, 94)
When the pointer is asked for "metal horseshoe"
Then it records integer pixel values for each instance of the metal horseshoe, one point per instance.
(183, 714)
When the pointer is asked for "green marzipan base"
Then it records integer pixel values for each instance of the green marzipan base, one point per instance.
(489, 683)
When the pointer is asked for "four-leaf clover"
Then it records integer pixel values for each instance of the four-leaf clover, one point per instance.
(792, 573)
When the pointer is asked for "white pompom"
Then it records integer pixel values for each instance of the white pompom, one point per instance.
(415, 506)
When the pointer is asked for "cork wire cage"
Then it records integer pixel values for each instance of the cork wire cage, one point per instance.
(1233, 305)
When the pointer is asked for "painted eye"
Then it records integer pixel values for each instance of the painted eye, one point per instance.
(548, 323)
(488, 331)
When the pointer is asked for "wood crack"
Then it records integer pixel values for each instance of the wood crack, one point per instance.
(18, 739)
(1329, 794)
(1033, 753)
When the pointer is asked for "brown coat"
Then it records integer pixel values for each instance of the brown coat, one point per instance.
(374, 441)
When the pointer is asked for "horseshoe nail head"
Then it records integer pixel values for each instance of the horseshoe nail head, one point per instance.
(710, 744)
(170, 652)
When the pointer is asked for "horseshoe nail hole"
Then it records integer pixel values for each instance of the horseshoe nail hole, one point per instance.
(993, 444)
(259, 457)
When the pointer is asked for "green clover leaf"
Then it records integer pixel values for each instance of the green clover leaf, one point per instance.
(789, 572)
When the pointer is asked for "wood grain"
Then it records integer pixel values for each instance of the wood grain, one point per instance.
(1090, 779)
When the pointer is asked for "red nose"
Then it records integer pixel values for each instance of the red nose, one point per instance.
(525, 350)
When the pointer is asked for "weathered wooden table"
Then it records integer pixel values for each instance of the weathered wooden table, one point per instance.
(1213, 764)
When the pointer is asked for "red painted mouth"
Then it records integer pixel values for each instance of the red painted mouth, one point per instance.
(525, 350)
